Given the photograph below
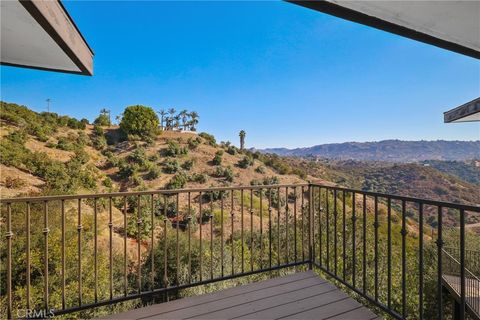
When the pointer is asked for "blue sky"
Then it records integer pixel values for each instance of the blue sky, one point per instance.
(289, 76)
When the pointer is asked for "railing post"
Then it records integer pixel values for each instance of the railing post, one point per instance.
(310, 226)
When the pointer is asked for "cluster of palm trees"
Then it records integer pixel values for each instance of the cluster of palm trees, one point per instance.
(183, 120)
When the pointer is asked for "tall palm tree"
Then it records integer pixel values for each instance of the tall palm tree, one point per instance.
(194, 120)
(184, 115)
(242, 135)
(177, 121)
(162, 114)
(170, 119)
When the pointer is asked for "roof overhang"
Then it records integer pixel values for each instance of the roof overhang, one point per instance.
(452, 25)
(42, 35)
(467, 112)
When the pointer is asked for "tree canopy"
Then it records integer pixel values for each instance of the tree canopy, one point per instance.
(139, 120)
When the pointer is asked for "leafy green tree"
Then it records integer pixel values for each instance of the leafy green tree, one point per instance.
(139, 120)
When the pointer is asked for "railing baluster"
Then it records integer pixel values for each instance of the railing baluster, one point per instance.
(278, 226)
(189, 237)
(211, 235)
(335, 214)
(177, 253)
(125, 286)
(295, 223)
(165, 252)
(404, 261)
(375, 258)
(320, 236)
(232, 212)
(270, 227)
(251, 230)
(286, 227)
(201, 235)
(139, 230)
(221, 235)
(241, 230)
(462, 264)
(389, 253)
(327, 213)
(311, 221)
(9, 236)
(79, 244)
(354, 246)
(303, 223)
(152, 243)
(344, 244)
(261, 228)
(420, 258)
(110, 244)
(46, 231)
(439, 263)
(95, 249)
(29, 256)
(364, 251)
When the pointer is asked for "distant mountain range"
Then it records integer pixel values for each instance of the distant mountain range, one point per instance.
(388, 150)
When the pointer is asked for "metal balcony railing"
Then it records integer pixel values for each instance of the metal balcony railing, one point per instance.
(74, 253)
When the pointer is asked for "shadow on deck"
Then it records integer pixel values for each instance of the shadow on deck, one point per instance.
(302, 295)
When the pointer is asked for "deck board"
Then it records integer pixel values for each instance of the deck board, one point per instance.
(302, 295)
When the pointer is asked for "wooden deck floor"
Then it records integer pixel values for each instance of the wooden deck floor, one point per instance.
(302, 295)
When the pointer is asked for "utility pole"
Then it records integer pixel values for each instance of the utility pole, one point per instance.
(48, 104)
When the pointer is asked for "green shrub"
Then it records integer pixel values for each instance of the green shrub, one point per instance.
(65, 144)
(214, 195)
(226, 173)
(153, 173)
(138, 156)
(217, 159)
(246, 162)
(188, 165)
(198, 177)
(209, 139)
(139, 120)
(126, 170)
(107, 182)
(260, 169)
(102, 120)
(193, 143)
(174, 149)
(232, 150)
(178, 181)
(18, 137)
(171, 166)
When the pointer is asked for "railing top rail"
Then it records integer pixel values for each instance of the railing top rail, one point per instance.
(254, 187)
(404, 198)
(146, 192)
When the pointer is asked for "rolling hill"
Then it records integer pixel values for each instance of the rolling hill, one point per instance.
(388, 150)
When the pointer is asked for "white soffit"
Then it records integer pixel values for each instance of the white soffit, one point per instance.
(43, 37)
(452, 25)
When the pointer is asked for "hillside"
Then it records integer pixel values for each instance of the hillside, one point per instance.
(466, 170)
(408, 179)
(388, 150)
(47, 153)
